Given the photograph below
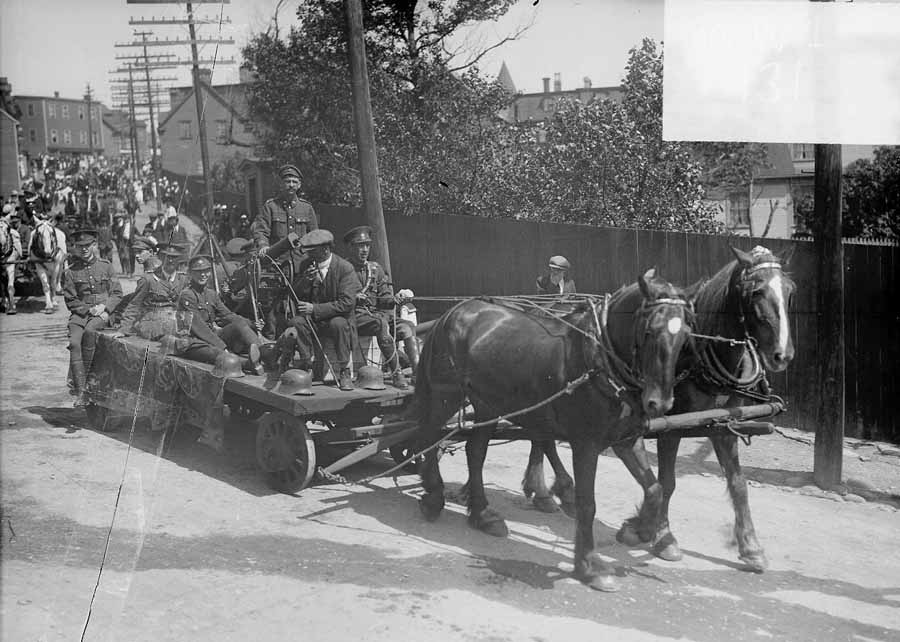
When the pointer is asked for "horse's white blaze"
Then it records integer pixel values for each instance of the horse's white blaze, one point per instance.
(775, 284)
(674, 325)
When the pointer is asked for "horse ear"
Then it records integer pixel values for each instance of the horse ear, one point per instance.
(787, 255)
(743, 257)
(644, 282)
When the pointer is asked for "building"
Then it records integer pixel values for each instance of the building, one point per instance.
(117, 136)
(229, 131)
(9, 153)
(59, 126)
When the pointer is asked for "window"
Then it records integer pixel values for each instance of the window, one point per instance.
(802, 152)
(94, 113)
(51, 110)
(65, 112)
(222, 132)
(80, 112)
(67, 137)
(95, 139)
(53, 137)
(32, 135)
(184, 129)
(739, 210)
(82, 138)
(30, 110)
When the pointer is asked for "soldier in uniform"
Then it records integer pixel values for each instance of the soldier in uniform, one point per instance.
(156, 294)
(91, 292)
(214, 328)
(284, 214)
(375, 301)
(327, 287)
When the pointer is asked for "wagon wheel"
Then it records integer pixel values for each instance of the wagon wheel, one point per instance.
(98, 417)
(285, 452)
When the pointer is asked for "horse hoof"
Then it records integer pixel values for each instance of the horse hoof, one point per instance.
(756, 562)
(430, 509)
(667, 549)
(490, 522)
(569, 509)
(545, 504)
(628, 536)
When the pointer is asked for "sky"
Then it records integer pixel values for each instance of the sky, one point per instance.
(62, 45)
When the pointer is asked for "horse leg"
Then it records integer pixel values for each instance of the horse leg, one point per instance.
(480, 516)
(589, 568)
(45, 285)
(666, 453)
(533, 482)
(563, 486)
(432, 502)
(750, 550)
(647, 524)
(11, 288)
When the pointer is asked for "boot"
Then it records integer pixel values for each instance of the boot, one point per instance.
(345, 381)
(398, 380)
(79, 377)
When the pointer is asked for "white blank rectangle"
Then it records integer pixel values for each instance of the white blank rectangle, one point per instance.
(792, 71)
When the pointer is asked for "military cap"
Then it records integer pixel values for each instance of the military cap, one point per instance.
(361, 234)
(170, 249)
(559, 263)
(238, 246)
(85, 237)
(152, 264)
(316, 238)
(141, 243)
(290, 170)
(30, 196)
(200, 262)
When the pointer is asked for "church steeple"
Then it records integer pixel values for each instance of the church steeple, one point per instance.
(505, 79)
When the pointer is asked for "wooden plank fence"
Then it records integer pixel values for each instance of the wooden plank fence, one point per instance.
(470, 256)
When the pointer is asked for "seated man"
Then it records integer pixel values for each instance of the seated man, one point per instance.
(375, 302)
(91, 292)
(213, 327)
(327, 287)
(556, 280)
(151, 310)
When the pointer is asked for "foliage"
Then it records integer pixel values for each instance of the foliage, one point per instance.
(729, 166)
(228, 182)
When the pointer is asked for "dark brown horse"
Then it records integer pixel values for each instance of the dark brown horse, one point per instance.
(746, 303)
(619, 363)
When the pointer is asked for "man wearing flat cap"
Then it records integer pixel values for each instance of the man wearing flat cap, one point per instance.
(285, 213)
(214, 328)
(375, 301)
(91, 292)
(10, 252)
(327, 286)
(556, 280)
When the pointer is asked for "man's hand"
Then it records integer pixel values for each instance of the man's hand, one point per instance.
(259, 325)
(96, 310)
(262, 251)
(104, 315)
(305, 307)
(225, 287)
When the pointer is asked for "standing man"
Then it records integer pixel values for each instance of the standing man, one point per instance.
(375, 302)
(10, 252)
(91, 292)
(285, 213)
(327, 286)
(153, 227)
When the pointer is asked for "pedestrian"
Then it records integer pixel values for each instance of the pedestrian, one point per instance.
(10, 253)
(556, 280)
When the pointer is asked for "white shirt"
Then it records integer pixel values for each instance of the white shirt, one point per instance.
(324, 265)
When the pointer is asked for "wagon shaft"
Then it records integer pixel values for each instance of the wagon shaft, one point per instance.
(707, 418)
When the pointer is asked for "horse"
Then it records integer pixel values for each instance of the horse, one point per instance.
(746, 304)
(49, 264)
(577, 377)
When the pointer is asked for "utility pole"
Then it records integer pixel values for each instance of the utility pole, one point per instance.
(365, 133)
(132, 125)
(827, 233)
(201, 116)
(153, 148)
(87, 97)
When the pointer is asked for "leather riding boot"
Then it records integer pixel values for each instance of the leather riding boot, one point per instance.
(411, 345)
(79, 378)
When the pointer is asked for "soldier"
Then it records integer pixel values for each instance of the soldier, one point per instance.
(156, 292)
(285, 214)
(375, 302)
(91, 292)
(142, 248)
(327, 286)
(214, 328)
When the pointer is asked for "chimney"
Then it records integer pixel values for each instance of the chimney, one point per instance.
(546, 85)
(56, 94)
(557, 82)
(587, 82)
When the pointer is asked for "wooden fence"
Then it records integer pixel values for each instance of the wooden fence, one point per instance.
(469, 256)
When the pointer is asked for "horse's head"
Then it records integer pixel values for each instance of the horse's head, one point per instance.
(661, 328)
(764, 295)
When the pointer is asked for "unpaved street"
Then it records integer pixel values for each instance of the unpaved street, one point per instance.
(200, 549)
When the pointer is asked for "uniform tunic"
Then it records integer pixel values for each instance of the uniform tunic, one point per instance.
(154, 293)
(207, 340)
(280, 216)
(85, 285)
(374, 312)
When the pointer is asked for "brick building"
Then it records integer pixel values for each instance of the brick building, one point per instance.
(59, 126)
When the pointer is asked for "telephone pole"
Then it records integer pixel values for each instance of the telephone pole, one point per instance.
(88, 97)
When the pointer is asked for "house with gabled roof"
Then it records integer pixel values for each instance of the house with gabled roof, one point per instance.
(229, 130)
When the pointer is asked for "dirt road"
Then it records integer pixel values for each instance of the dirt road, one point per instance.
(101, 535)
